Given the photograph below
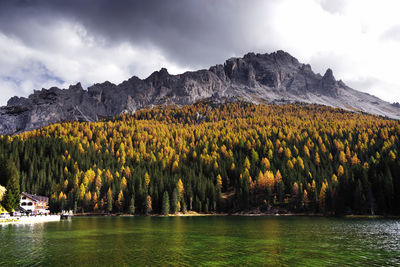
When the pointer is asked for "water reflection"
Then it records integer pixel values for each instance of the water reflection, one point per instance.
(202, 240)
(25, 240)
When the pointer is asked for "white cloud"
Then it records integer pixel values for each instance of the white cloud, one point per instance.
(73, 56)
(347, 37)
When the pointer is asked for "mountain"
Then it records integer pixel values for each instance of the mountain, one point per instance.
(258, 78)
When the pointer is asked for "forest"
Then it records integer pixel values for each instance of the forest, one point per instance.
(211, 158)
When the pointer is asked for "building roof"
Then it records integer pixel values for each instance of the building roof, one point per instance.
(35, 197)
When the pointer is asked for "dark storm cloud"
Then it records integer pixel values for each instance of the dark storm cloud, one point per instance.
(191, 33)
(95, 40)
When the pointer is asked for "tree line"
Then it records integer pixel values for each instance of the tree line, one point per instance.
(213, 158)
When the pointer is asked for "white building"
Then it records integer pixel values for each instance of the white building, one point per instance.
(34, 204)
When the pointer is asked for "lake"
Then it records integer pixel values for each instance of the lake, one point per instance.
(212, 240)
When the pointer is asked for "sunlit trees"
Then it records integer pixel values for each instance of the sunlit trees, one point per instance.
(288, 153)
(219, 181)
(120, 201)
(305, 200)
(340, 171)
(148, 205)
(246, 163)
(109, 200)
(342, 157)
(322, 196)
(147, 179)
(214, 157)
(180, 187)
(265, 163)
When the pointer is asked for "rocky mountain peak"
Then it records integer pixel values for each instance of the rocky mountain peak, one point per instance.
(15, 100)
(284, 58)
(328, 84)
(157, 75)
(277, 77)
(329, 75)
(76, 88)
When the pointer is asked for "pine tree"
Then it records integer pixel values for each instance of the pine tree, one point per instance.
(174, 201)
(165, 204)
(11, 199)
(109, 200)
(148, 204)
(132, 205)
(146, 154)
(322, 196)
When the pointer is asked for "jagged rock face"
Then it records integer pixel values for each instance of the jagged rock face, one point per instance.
(328, 84)
(261, 78)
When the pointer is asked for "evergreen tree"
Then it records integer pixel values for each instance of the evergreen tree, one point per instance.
(165, 204)
(109, 200)
(3, 171)
(148, 204)
(12, 197)
(239, 156)
(175, 201)
(132, 205)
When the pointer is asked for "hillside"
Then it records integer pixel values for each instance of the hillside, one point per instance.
(212, 157)
(276, 78)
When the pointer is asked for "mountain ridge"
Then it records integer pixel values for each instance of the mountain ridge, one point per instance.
(273, 78)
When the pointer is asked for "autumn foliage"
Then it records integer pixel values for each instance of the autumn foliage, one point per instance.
(297, 157)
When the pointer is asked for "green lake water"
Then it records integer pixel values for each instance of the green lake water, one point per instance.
(193, 241)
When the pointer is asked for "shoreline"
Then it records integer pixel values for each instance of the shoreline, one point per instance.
(196, 214)
(30, 219)
(54, 218)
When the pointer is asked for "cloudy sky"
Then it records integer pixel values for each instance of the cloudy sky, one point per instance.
(46, 43)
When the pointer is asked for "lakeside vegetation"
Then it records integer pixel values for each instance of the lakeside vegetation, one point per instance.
(2, 192)
(214, 158)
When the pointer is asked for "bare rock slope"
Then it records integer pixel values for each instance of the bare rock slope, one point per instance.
(260, 78)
